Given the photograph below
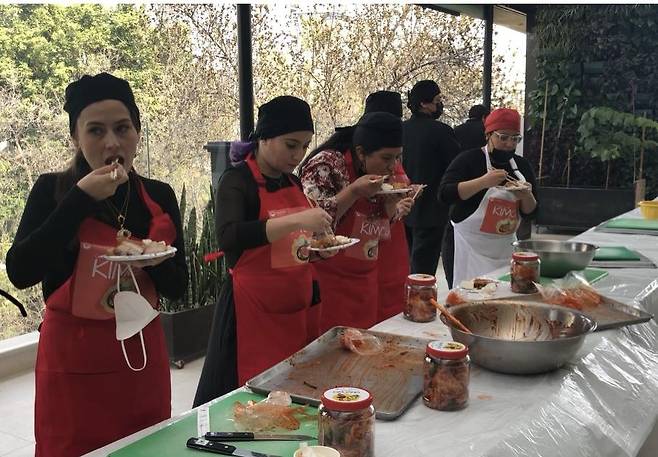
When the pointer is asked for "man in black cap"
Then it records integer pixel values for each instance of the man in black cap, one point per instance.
(428, 148)
(470, 134)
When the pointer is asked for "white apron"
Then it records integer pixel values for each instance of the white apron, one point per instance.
(483, 241)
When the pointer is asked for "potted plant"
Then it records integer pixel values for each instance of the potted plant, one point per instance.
(607, 135)
(187, 321)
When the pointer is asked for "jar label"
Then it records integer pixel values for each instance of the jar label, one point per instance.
(447, 346)
(347, 394)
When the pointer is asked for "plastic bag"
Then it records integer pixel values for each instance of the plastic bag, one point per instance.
(360, 343)
(572, 291)
(276, 411)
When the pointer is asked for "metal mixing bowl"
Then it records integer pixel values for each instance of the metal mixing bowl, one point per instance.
(559, 257)
(520, 338)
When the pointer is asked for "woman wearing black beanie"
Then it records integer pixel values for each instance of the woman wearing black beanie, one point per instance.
(344, 175)
(264, 223)
(91, 388)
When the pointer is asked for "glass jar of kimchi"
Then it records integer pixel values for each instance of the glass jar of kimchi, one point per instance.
(419, 290)
(346, 421)
(525, 272)
(446, 376)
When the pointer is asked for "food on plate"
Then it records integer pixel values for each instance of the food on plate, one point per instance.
(484, 284)
(329, 241)
(274, 412)
(390, 186)
(360, 343)
(127, 247)
(153, 247)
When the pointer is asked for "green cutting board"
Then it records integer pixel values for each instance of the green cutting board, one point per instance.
(170, 441)
(636, 224)
(616, 253)
(591, 274)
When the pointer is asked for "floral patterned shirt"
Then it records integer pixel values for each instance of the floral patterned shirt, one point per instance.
(323, 177)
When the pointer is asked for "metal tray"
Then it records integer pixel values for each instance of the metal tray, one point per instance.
(394, 377)
(609, 314)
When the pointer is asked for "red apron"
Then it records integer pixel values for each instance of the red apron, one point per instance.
(272, 287)
(393, 267)
(348, 281)
(86, 396)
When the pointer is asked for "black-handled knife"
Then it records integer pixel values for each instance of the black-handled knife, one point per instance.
(216, 447)
(250, 436)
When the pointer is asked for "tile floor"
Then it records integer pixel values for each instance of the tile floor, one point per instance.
(17, 396)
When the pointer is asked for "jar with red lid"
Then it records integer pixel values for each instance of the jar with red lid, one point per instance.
(525, 272)
(346, 421)
(419, 290)
(446, 376)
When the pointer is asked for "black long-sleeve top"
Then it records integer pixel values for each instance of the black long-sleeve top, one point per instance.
(46, 245)
(237, 208)
(429, 147)
(470, 165)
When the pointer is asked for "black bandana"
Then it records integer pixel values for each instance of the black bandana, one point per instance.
(92, 89)
(283, 115)
(378, 130)
(385, 101)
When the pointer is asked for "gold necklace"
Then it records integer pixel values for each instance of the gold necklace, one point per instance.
(121, 215)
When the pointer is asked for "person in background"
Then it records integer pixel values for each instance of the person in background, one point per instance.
(343, 175)
(264, 223)
(470, 134)
(91, 388)
(485, 215)
(393, 254)
(429, 146)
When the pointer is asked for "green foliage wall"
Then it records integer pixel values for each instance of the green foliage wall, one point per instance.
(589, 56)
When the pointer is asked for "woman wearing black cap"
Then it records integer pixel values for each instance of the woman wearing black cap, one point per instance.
(263, 224)
(343, 175)
(92, 389)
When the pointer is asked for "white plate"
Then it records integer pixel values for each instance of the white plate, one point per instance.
(352, 242)
(395, 191)
(135, 258)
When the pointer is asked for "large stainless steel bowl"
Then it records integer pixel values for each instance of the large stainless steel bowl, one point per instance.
(559, 257)
(518, 338)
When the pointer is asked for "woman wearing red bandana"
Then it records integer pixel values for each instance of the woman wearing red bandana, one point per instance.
(91, 388)
(490, 189)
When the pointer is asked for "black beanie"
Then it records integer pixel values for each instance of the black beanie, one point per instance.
(92, 89)
(423, 92)
(282, 115)
(385, 101)
(378, 130)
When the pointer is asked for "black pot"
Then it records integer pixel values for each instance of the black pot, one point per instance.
(187, 333)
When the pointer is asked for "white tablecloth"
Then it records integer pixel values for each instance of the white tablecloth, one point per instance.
(604, 403)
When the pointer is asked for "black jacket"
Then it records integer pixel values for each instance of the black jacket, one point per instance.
(470, 134)
(428, 148)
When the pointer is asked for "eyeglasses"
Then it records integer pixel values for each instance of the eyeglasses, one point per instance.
(505, 137)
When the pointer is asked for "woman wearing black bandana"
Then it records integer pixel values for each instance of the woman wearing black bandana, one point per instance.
(89, 392)
(489, 189)
(343, 175)
(264, 223)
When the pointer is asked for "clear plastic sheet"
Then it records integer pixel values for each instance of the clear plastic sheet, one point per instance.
(603, 403)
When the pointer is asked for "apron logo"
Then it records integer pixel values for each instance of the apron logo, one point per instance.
(106, 269)
(503, 211)
(371, 227)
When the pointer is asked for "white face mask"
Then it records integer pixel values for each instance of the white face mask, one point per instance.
(132, 313)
